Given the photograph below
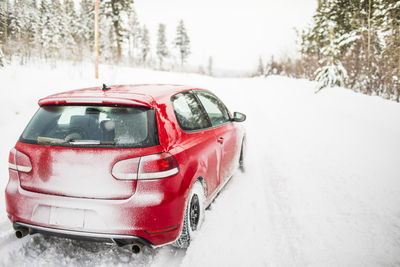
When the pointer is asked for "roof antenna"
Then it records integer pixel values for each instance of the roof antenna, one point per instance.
(105, 88)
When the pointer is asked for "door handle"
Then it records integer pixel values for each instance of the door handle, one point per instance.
(220, 140)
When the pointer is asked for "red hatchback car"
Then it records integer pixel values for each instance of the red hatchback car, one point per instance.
(132, 164)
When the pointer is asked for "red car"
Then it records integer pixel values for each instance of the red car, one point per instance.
(132, 164)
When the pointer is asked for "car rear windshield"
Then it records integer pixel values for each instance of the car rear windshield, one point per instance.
(88, 126)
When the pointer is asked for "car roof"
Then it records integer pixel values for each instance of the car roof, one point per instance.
(138, 94)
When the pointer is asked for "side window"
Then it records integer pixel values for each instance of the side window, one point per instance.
(215, 109)
(188, 112)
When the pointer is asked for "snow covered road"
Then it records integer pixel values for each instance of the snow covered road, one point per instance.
(322, 185)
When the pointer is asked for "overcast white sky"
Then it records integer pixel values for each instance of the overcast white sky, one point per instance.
(235, 33)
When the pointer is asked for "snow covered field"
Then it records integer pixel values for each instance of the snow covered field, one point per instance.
(322, 186)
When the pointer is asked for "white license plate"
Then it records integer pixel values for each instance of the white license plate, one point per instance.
(73, 218)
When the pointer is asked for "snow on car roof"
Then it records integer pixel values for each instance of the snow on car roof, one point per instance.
(139, 94)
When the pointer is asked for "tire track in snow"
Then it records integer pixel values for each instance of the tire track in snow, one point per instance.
(285, 244)
(39, 250)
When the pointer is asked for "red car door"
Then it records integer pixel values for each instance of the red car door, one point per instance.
(198, 137)
(225, 132)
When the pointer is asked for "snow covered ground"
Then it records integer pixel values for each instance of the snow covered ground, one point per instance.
(322, 186)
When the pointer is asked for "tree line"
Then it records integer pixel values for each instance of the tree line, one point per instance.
(351, 43)
(56, 30)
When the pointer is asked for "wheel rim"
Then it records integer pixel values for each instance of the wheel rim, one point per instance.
(194, 212)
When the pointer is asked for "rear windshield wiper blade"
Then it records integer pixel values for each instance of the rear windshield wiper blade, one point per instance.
(84, 142)
(49, 140)
(107, 143)
(57, 141)
(90, 142)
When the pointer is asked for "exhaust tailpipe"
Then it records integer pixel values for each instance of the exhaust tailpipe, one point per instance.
(21, 232)
(136, 247)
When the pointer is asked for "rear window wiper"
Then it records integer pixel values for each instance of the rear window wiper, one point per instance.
(49, 140)
(90, 142)
(58, 141)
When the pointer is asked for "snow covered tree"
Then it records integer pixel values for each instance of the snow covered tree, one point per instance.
(14, 29)
(1, 58)
(84, 35)
(273, 67)
(332, 73)
(118, 11)
(260, 68)
(22, 26)
(355, 28)
(162, 49)
(144, 44)
(210, 66)
(4, 20)
(51, 28)
(108, 50)
(391, 53)
(58, 30)
(134, 32)
(182, 41)
(69, 29)
(315, 38)
(86, 22)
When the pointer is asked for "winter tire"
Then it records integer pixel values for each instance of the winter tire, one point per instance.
(194, 215)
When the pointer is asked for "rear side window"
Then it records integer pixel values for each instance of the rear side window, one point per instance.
(216, 110)
(189, 112)
(77, 125)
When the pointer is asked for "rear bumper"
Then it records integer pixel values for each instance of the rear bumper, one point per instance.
(153, 215)
(120, 240)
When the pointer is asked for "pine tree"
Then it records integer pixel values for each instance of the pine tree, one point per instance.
(210, 66)
(363, 54)
(134, 32)
(260, 68)
(4, 20)
(16, 17)
(86, 20)
(316, 37)
(31, 29)
(182, 41)
(391, 53)
(116, 11)
(353, 26)
(70, 28)
(1, 57)
(51, 28)
(162, 49)
(145, 44)
(57, 21)
(108, 51)
(22, 28)
(332, 73)
(84, 36)
(270, 67)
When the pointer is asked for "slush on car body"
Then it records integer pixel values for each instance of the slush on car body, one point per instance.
(132, 164)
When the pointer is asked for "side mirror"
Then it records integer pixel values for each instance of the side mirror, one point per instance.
(238, 117)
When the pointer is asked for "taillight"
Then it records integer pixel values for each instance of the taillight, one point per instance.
(126, 169)
(19, 161)
(157, 166)
(145, 168)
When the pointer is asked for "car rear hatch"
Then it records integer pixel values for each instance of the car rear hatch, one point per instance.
(72, 149)
(78, 172)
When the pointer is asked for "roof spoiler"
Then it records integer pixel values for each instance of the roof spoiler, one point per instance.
(91, 100)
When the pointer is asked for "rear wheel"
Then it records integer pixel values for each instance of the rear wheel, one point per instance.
(194, 215)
